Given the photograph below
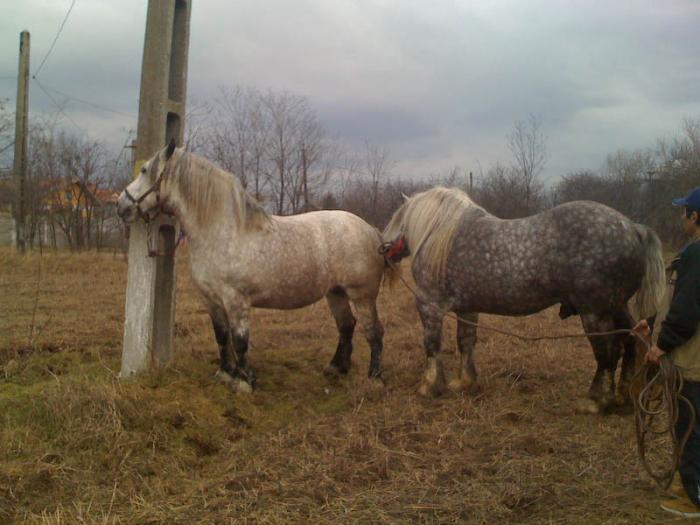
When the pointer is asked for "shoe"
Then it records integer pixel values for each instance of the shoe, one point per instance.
(677, 490)
(681, 507)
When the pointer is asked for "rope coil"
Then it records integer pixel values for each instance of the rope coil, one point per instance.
(660, 396)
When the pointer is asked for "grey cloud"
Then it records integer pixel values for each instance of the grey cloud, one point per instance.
(437, 83)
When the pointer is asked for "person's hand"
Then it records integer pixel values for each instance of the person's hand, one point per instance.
(653, 355)
(642, 328)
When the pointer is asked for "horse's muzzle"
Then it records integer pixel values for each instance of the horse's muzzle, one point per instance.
(125, 210)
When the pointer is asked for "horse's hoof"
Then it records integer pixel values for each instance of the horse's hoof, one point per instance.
(223, 377)
(424, 390)
(371, 388)
(588, 406)
(376, 383)
(622, 403)
(333, 372)
(241, 387)
(466, 386)
(429, 390)
(433, 383)
(623, 398)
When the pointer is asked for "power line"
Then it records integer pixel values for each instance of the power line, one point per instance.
(58, 106)
(126, 145)
(55, 39)
(88, 103)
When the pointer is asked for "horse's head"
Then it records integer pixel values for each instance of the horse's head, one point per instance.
(142, 197)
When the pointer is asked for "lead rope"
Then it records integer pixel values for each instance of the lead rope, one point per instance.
(659, 398)
(659, 394)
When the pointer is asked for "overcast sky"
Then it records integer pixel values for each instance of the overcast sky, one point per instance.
(437, 83)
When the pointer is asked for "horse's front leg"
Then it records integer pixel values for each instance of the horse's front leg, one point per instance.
(222, 332)
(234, 361)
(433, 383)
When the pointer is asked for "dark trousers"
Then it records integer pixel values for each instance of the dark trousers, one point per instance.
(689, 467)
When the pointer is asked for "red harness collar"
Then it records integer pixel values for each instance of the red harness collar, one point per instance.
(395, 250)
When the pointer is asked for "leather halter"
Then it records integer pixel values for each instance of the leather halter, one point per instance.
(144, 214)
(154, 188)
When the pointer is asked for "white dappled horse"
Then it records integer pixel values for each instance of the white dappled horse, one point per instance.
(242, 257)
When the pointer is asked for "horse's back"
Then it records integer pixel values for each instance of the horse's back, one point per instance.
(344, 245)
(344, 230)
(592, 231)
(581, 253)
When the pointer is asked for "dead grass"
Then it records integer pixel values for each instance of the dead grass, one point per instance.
(80, 446)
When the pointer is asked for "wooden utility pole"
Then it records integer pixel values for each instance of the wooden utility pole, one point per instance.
(20, 162)
(150, 293)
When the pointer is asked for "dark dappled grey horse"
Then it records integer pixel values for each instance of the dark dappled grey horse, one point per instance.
(583, 255)
(241, 257)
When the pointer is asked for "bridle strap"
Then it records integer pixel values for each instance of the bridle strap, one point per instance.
(144, 214)
(137, 201)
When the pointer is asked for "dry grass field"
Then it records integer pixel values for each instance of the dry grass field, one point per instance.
(78, 445)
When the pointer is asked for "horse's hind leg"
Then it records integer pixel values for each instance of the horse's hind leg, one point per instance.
(623, 320)
(466, 340)
(345, 322)
(366, 309)
(607, 353)
(434, 378)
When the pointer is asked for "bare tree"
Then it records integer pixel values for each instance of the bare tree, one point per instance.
(283, 110)
(274, 143)
(230, 137)
(259, 145)
(312, 168)
(67, 174)
(198, 119)
(297, 151)
(527, 144)
(378, 166)
(502, 191)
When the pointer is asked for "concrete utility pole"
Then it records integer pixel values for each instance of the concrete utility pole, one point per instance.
(21, 118)
(150, 292)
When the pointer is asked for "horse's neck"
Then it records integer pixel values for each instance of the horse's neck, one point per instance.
(219, 229)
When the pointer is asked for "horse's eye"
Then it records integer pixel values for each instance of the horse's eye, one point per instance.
(143, 169)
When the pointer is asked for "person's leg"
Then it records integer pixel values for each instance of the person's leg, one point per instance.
(689, 467)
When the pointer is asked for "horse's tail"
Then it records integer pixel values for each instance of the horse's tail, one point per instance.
(647, 300)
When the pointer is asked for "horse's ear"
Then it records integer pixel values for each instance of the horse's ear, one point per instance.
(405, 197)
(171, 149)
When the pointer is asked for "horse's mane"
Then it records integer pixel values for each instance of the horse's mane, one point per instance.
(205, 188)
(429, 220)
